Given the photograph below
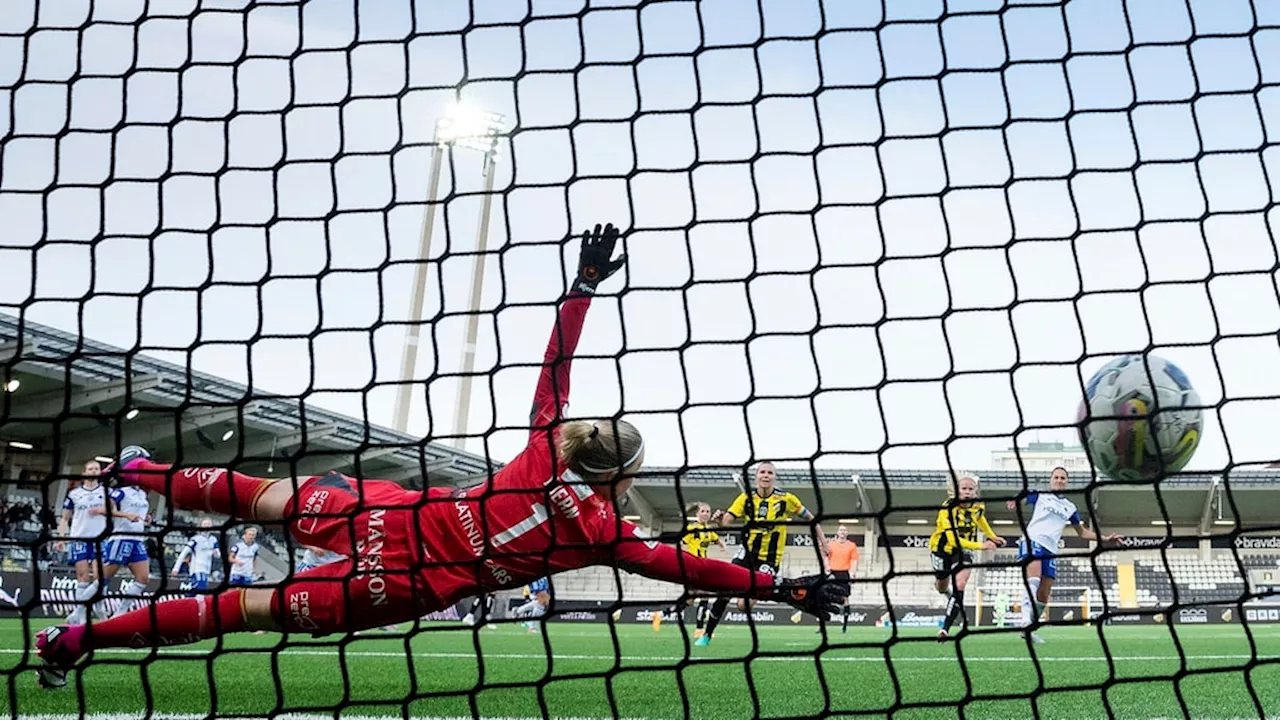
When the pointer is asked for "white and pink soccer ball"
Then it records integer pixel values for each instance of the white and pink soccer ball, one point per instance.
(1140, 419)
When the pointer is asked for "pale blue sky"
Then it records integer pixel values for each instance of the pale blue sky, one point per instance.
(801, 185)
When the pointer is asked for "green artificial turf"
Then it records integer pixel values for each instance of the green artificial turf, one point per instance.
(595, 670)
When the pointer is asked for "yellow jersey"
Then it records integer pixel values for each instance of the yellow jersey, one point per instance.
(698, 538)
(765, 535)
(958, 526)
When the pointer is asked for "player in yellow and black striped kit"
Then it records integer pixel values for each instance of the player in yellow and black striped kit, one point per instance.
(699, 536)
(954, 540)
(765, 513)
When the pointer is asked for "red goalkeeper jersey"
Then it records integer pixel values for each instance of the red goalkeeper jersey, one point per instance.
(536, 518)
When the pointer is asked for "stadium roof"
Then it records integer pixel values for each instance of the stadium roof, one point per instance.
(76, 397)
(902, 495)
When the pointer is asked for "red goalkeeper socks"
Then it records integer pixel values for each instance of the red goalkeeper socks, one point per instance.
(176, 622)
(214, 489)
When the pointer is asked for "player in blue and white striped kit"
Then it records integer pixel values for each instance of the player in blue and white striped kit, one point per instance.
(127, 546)
(200, 550)
(1039, 545)
(85, 511)
(536, 606)
(244, 558)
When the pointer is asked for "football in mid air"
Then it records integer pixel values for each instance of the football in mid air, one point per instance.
(1140, 418)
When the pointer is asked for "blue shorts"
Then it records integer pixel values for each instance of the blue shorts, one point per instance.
(198, 581)
(303, 567)
(240, 580)
(77, 551)
(540, 585)
(124, 551)
(1048, 565)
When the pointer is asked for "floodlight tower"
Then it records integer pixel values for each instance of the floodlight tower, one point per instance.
(468, 127)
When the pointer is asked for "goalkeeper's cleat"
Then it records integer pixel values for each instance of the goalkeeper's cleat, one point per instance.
(703, 641)
(657, 620)
(58, 648)
(129, 458)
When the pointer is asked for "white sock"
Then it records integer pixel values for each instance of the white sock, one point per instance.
(1029, 613)
(131, 589)
(533, 608)
(84, 591)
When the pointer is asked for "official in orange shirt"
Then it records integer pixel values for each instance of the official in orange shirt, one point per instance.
(844, 561)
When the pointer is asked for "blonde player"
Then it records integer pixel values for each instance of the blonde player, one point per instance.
(955, 539)
(765, 513)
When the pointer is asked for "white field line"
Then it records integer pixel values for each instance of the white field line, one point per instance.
(877, 658)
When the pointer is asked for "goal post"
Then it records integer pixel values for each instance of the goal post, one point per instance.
(999, 606)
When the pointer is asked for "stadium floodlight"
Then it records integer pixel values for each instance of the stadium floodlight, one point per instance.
(19, 445)
(463, 125)
(1224, 522)
(228, 435)
(104, 459)
(133, 413)
(1001, 522)
(917, 521)
(848, 520)
(13, 385)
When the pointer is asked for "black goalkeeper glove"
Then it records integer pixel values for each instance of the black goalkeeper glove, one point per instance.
(595, 263)
(817, 595)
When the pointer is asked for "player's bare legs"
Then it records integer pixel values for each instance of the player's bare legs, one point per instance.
(190, 619)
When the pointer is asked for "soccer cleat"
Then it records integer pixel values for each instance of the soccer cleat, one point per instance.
(943, 636)
(1035, 638)
(657, 620)
(58, 648)
(703, 641)
(130, 456)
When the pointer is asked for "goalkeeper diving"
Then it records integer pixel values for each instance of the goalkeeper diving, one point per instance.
(552, 508)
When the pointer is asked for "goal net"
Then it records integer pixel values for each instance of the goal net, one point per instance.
(869, 242)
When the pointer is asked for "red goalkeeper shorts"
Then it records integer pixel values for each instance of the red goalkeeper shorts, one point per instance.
(373, 523)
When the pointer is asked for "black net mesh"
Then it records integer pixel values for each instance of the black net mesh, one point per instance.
(874, 235)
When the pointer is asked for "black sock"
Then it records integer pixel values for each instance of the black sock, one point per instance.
(955, 607)
(844, 618)
(673, 610)
(703, 607)
(717, 612)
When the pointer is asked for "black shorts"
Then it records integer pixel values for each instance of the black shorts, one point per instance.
(755, 564)
(946, 564)
(840, 575)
